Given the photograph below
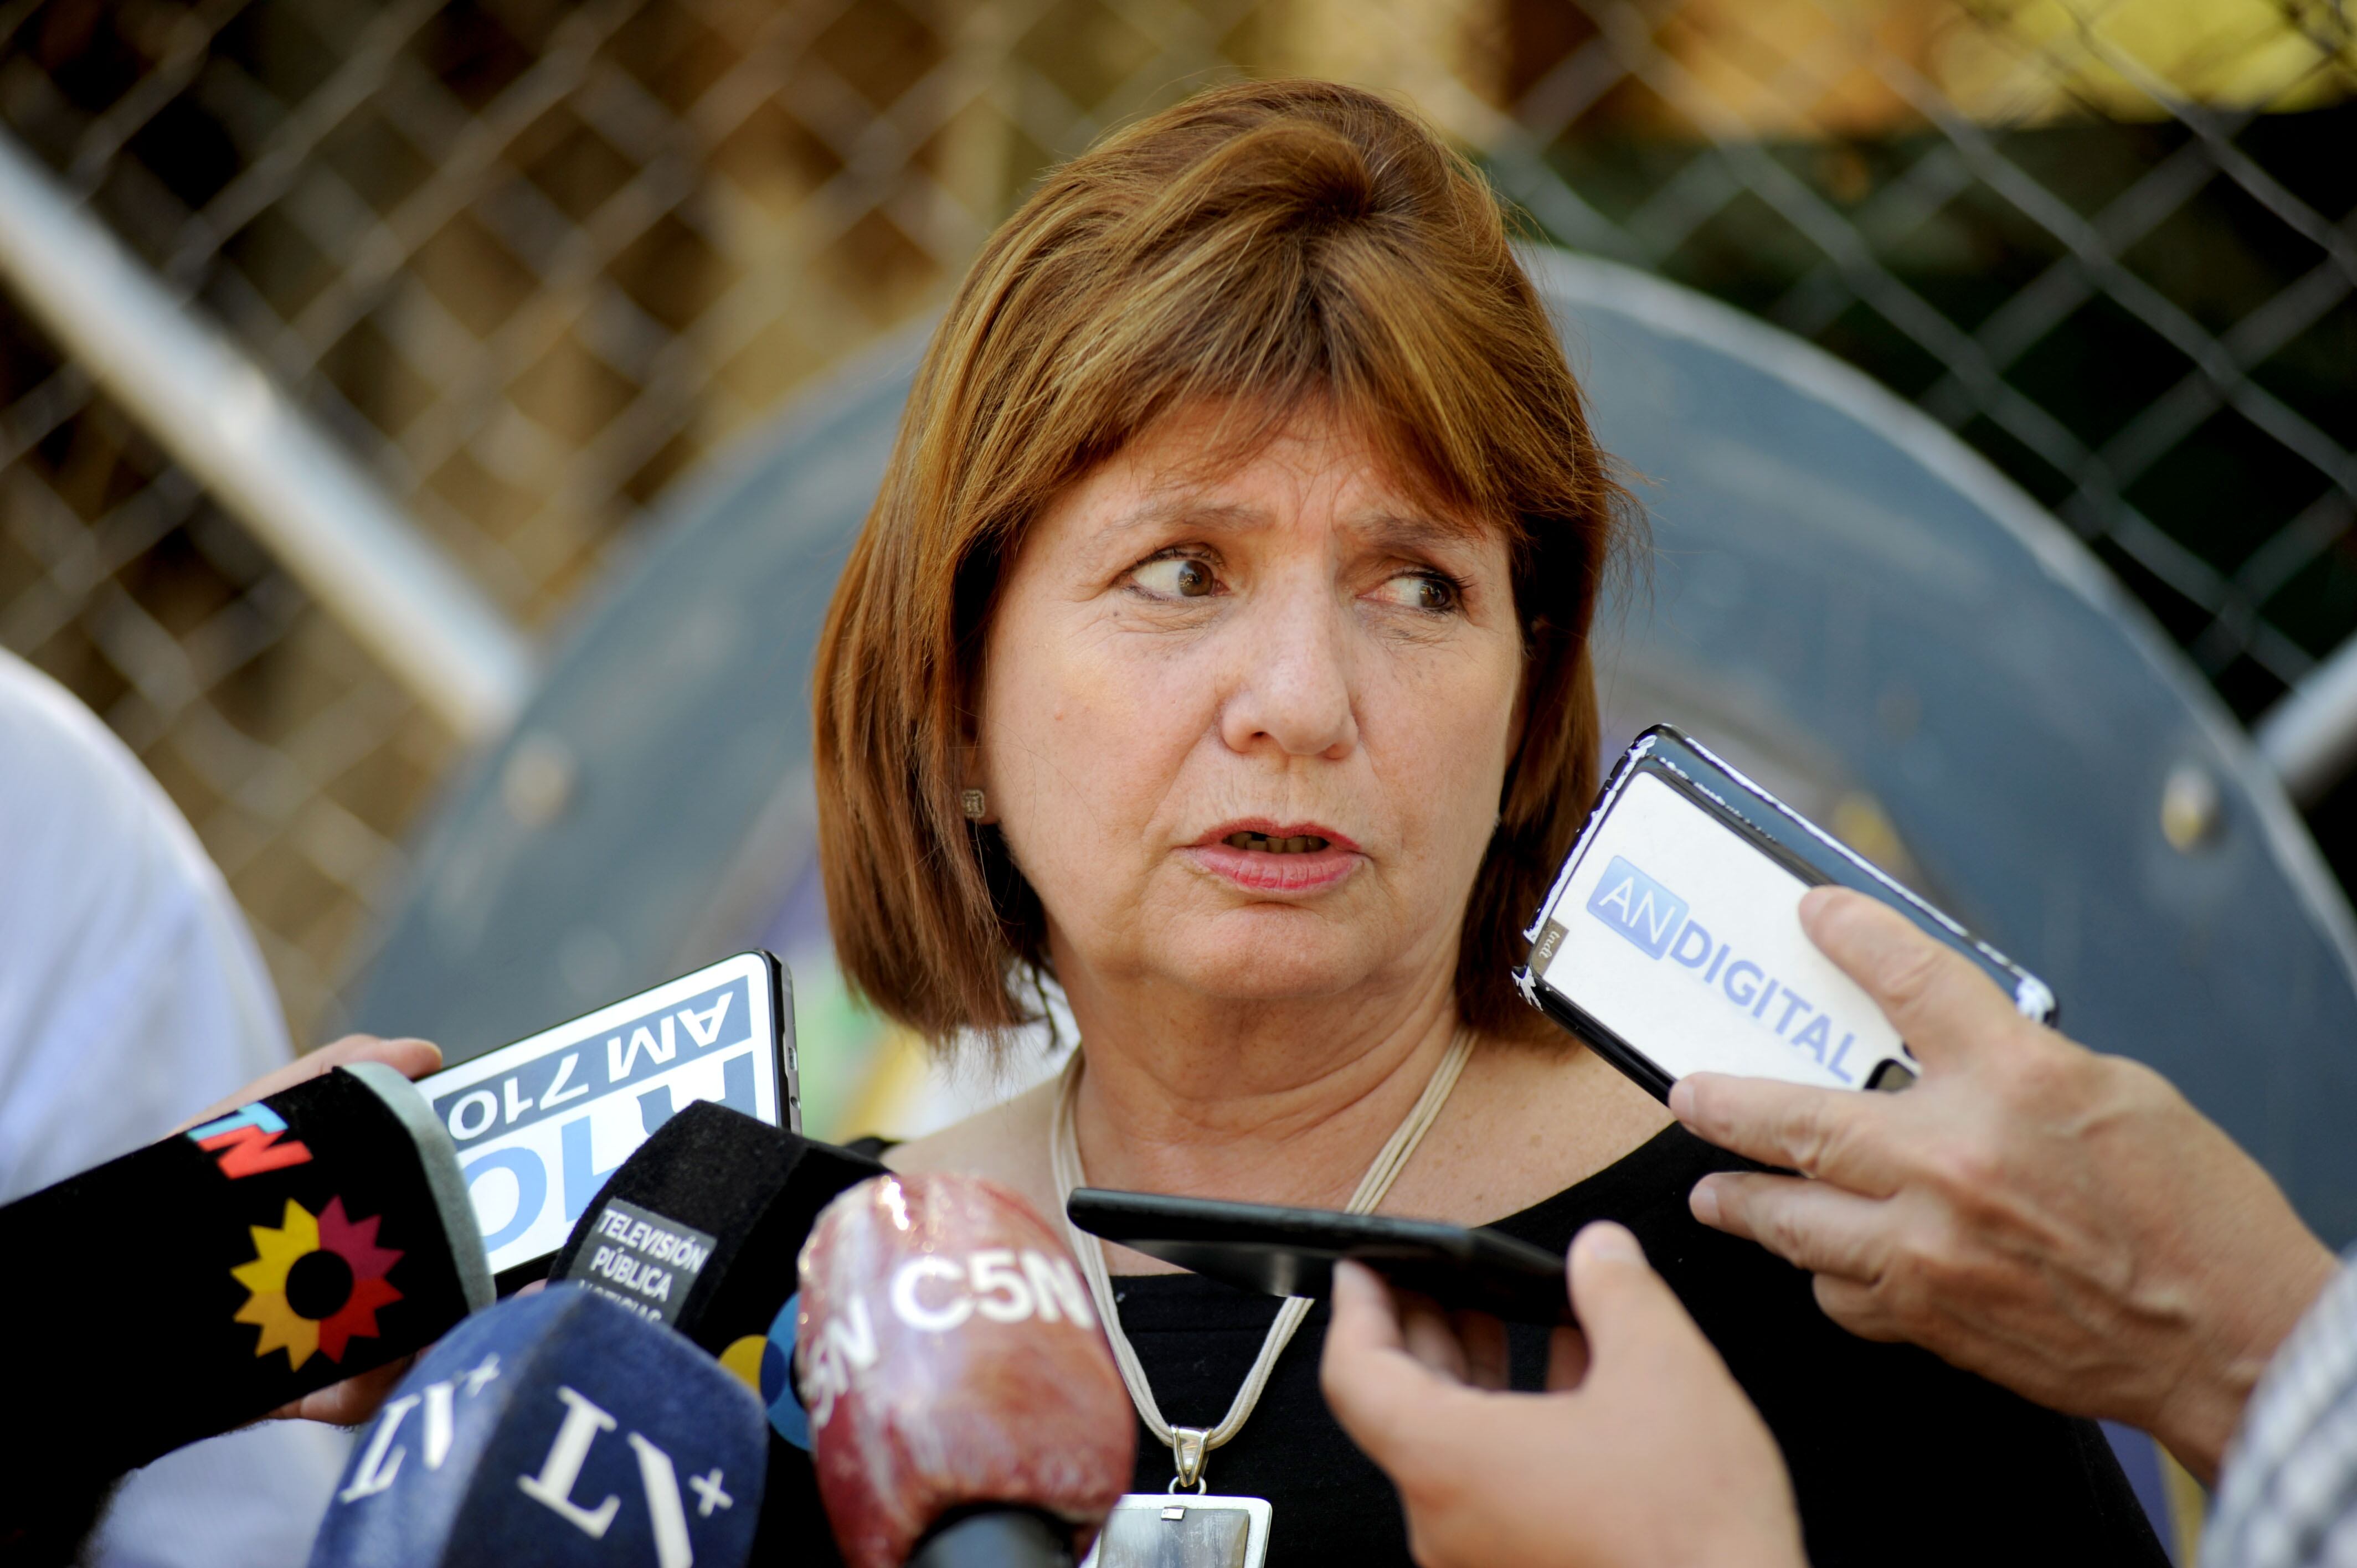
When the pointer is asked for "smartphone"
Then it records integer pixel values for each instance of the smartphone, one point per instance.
(1291, 1251)
(540, 1123)
(1670, 942)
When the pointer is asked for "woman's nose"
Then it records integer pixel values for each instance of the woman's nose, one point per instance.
(1293, 687)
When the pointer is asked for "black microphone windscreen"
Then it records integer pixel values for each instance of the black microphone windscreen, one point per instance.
(556, 1428)
(700, 1229)
(311, 1235)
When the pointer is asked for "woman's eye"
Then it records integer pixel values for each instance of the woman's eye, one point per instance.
(1177, 577)
(1419, 591)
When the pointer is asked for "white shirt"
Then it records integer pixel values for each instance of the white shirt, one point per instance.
(131, 997)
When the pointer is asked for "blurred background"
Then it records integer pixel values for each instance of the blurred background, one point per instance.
(529, 269)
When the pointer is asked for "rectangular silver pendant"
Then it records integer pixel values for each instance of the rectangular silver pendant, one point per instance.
(1183, 1530)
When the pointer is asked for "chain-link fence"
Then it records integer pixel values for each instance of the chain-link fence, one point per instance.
(533, 261)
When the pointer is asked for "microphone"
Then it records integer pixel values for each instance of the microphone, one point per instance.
(963, 1403)
(209, 1278)
(699, 1228)
(556, 1428)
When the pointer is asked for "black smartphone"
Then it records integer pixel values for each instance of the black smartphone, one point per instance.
(1672, 941)
(540, 1123)
(1291, 1251)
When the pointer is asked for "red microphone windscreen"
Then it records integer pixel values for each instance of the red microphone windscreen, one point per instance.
(950, 1359)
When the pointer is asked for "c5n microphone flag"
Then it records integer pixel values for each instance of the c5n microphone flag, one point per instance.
(556, 1428)
(963, 1403)
(207, 1279)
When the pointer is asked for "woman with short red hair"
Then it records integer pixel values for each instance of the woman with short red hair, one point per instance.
(1217, 651)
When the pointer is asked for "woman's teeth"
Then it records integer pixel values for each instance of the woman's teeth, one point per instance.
(1301, 844)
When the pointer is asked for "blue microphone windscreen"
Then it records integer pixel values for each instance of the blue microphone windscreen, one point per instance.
(556, 1428)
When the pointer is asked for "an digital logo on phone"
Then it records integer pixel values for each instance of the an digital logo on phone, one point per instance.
(1655, 920)
(1637, 906)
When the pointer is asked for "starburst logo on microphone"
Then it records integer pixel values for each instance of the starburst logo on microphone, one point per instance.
(314, 1283)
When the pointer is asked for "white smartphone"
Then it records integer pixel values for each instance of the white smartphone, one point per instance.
(540, 1123)
(1672, 941)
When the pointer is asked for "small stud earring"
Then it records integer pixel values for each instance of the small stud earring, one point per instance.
(972, 804)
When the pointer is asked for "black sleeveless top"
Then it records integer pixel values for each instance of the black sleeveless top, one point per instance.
(1895, 1456)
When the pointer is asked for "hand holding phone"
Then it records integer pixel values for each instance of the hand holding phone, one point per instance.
(1672, 942)
(1642, 1450)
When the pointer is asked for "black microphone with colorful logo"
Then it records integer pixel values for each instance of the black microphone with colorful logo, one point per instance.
(205, 1280)
(556, 1428)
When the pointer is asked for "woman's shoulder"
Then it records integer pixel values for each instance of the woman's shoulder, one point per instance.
(1008, 1144)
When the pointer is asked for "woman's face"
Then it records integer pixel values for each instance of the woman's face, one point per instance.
(1246, 731)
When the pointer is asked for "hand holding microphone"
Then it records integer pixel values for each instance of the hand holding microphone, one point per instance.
(963, 1403)
(261, 1254)
(353, 1400)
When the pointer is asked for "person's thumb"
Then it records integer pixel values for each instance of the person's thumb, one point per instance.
(1940, 1004)
(1372, 1386)
(1627, 1311)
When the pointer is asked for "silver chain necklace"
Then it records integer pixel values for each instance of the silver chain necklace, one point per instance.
(1145, 1528)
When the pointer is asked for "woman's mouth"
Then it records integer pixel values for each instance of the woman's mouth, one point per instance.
(1277, 857)
(1299, 843)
